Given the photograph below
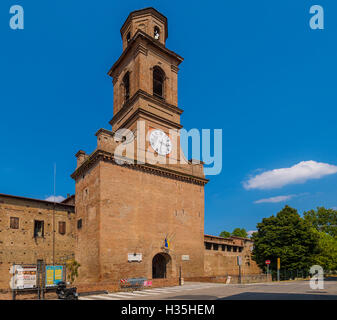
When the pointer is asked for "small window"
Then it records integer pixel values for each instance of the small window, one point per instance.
(229, 248)
(128, 37)
(215, 246)
(38, 228)
(14, 223)
(223, 247)
(62, 227)
(79, 224)
(235, 249)
(208, 246)
(126, 84)
(240, 249)
(158, 82)
(156, 33)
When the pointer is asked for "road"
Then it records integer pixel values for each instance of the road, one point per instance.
(288, 290)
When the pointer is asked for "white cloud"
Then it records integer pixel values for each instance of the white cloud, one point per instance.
(250, 232)
(275, 199)
(299, 173)
(57, 199)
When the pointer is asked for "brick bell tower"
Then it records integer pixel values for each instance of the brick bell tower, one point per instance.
(141, 218)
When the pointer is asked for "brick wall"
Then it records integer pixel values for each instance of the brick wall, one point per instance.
(20, 246)
(221, 259)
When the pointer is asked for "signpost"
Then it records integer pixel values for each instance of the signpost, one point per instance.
(278, 268)
(239, 259)
(267, 263)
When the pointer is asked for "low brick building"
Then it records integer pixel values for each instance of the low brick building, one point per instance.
(26, 233)
(221, 256)
(26, 227)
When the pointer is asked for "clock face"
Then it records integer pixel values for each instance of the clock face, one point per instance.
(160, 142)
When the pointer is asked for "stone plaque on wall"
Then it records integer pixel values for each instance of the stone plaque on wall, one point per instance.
(134, 257)
(185, 257)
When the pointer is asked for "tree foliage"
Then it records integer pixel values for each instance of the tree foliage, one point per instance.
(326, 257)
(72, 270)
(323, 220)
(225, 234)
(240, 233)
(288, 237)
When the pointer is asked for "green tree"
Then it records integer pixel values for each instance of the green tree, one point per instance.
(72, 270)
(322, 219)
(225, 234)
(288, 237)
(240, 233)
(326, 256)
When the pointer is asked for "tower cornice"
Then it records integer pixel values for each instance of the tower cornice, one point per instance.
(142, 35)
(144, 11)
(151, 98)
(101, 155)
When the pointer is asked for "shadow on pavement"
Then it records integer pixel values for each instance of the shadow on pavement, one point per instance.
(193, 297)
(278, 296)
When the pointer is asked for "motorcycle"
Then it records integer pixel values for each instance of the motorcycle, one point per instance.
(65, 293)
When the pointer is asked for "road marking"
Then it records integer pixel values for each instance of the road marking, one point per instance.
(118, 295)
(147, 292)
(105, 297)
(138, 293)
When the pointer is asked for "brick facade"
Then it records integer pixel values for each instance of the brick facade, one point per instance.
(132, 208)
(19, 245)
(221, 256)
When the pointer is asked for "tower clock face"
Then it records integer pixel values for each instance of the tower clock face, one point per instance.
(160, 142)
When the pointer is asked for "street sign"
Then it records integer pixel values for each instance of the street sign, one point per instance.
(267, 261)
(239, 260)
(278, 263)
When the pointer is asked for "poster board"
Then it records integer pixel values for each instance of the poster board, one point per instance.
(24, 277)
(54, 275)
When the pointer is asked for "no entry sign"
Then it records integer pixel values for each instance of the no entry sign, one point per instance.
(267, 261)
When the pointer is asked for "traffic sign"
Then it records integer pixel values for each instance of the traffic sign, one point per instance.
(267, 261)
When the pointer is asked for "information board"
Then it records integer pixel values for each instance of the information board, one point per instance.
(24, 277)
(54, 275)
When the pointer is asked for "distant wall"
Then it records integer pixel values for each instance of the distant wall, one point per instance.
(220, 256)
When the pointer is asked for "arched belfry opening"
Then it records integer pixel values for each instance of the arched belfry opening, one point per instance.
(160, 265)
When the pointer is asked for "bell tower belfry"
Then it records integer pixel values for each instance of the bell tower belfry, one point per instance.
(140, 219)
(145, 77)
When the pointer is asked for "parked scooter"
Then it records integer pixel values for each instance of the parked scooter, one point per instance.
(65, 293)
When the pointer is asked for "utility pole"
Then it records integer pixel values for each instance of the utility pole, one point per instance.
(54, 214)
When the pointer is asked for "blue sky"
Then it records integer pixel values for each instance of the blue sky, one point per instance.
(252, 68)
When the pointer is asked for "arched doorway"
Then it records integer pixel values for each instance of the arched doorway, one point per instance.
(159, 265)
